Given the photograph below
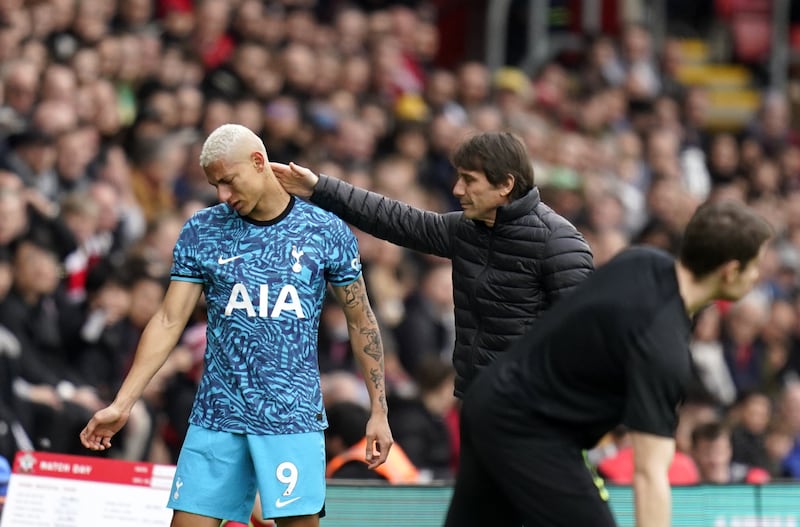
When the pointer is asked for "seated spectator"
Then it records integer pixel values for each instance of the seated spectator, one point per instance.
(31, 155)
(342, 386)
(59, 399)
(345, 447)
(13, 435)
(427, 328)
(712, 451)
(751, 413)
(692, 413)
(419, 423)
(790, 414)
(708, 356)
(24, 210)
(104, 354)
(744, 351)
(778, 442)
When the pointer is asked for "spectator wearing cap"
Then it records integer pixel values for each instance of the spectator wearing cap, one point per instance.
(511, 91)
(177, 19)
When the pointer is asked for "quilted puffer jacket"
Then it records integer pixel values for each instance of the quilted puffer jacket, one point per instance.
(504, 276)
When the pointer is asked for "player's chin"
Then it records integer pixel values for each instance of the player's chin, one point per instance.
(242, 208)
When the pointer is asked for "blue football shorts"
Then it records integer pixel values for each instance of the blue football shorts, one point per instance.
(218, 474)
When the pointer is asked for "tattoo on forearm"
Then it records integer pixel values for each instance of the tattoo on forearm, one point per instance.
(353, 293)
(373, 346)
(376, 378)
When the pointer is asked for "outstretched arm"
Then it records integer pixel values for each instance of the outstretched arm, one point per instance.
(157, 341)
(652, 456)
(382, 217)
(365, 340)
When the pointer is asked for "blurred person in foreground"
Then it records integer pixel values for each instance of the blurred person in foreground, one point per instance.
(263, 260)
(513, 257)
(617, 353)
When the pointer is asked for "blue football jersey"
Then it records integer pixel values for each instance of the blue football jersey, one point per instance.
(264, 284)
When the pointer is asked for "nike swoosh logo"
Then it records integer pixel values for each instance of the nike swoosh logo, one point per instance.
(279, 503)
(223, 261)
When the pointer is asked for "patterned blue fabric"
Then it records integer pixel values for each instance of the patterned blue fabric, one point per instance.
(264, 284)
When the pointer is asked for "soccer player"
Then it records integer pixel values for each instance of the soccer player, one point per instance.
(616, 352)
(263, 259)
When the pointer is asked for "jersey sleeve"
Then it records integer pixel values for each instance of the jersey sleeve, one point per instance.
(657, 374)
(344, 262)
(185, 266)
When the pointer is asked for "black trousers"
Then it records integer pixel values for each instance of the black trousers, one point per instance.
(509, 478)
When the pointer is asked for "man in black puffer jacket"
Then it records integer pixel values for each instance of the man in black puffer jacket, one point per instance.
(513, 257)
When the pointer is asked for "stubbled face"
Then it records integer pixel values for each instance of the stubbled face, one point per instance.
(478, 197)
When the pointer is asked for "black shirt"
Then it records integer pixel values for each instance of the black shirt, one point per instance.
(614, 351)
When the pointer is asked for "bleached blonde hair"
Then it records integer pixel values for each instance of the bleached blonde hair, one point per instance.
(227, 140)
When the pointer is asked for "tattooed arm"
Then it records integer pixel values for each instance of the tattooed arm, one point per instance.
(365, 339)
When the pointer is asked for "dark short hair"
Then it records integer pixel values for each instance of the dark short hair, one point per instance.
(432, 372)
(719, 232)
(346, 420)
(497, 154)
(709, 432)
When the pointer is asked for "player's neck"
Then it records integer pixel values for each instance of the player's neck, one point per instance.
(270, 207)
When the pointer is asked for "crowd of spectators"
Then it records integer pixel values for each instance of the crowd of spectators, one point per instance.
(104, 106)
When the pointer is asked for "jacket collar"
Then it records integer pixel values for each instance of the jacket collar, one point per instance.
(518, 208)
